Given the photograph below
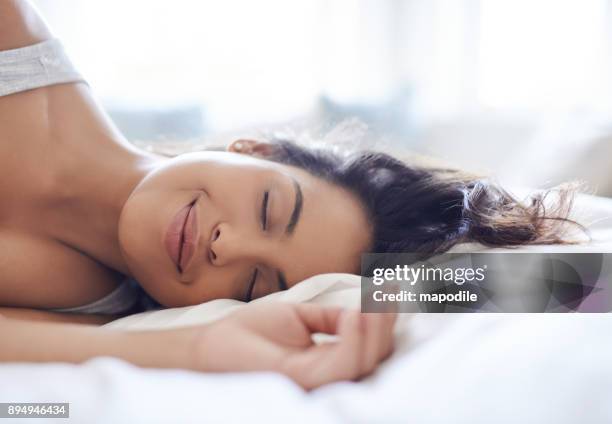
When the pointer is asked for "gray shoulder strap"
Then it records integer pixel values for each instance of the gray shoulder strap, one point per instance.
(34, 66)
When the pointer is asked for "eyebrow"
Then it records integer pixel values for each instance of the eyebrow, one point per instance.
(297, 208)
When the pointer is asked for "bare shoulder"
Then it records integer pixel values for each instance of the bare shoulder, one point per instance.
(21, 25)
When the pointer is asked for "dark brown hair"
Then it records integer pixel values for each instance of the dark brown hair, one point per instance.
(427, 210)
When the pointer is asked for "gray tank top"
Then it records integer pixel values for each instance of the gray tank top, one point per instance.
(37, 65)
(121, 300)
(41, 65)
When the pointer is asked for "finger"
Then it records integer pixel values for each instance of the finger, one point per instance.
(351, 346)
(373, 336)
(387, 336)
(309, 369)
(345, 359)
(319, 319)
(379, 339)
(329, 362)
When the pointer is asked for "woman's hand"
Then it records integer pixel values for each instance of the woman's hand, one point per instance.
(277, 337)
(259, 337)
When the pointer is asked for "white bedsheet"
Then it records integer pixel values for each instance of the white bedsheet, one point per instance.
(458, 368)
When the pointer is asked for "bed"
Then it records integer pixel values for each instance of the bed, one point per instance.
(461, 368)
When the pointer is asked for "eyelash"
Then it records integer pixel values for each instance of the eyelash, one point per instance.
(251, 286)
(264, 210)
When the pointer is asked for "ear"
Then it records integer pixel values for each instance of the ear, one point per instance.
(251, 147)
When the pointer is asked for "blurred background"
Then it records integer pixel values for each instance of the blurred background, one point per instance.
(518, 88)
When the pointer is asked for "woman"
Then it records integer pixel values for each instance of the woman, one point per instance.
(87, 216)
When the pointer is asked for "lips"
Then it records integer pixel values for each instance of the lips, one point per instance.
(190, 238)
(174, 239)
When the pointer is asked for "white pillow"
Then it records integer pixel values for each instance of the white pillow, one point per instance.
(334, 289)
(566, 149)
(342, 290)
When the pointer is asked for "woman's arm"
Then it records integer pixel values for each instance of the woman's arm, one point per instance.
(21, 25)
(265, 337)
(34, 341)
(50, 316)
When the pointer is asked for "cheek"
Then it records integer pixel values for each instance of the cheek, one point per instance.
(168, 293)
(133, 225)
(139, 239)
(172, 176)
(175, 294)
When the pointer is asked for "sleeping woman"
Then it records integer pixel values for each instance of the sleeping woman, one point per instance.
(91, 225)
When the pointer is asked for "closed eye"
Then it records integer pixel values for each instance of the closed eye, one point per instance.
(249, 296)
(264, 210)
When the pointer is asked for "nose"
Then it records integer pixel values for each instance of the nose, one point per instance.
(211, 251)
(228, 244)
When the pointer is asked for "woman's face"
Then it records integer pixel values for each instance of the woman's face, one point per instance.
(261, 227)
